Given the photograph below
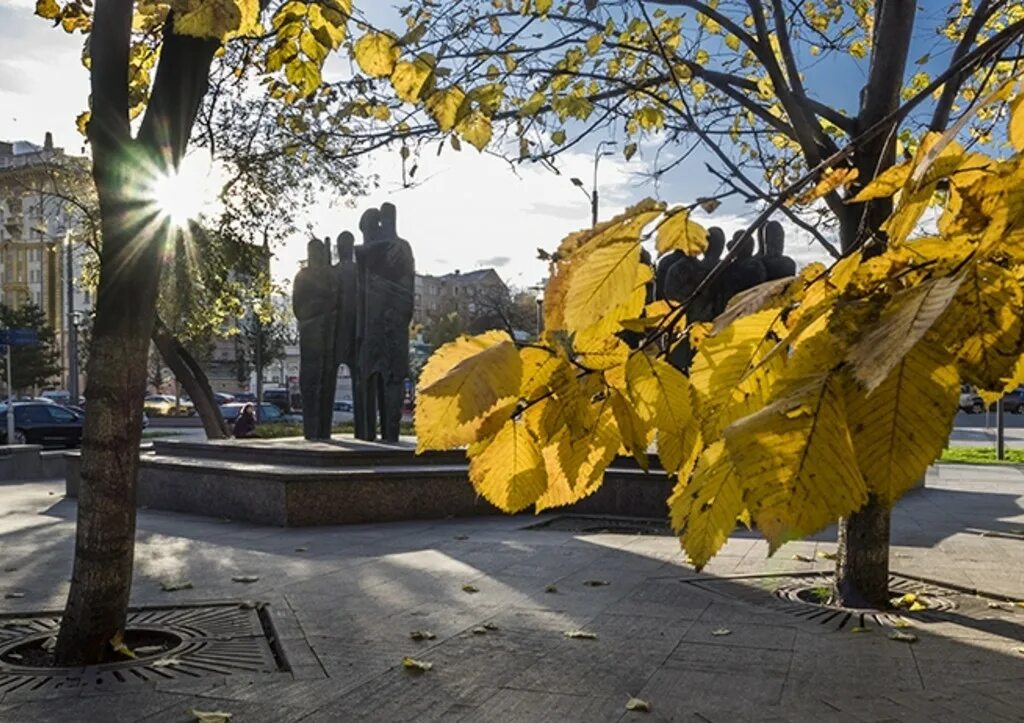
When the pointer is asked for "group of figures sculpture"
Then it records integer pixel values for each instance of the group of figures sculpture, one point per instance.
(678, 276)
(356, 312)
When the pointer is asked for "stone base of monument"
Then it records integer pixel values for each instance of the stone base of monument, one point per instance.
(294, 483)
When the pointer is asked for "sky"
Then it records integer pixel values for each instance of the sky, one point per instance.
(472, 211)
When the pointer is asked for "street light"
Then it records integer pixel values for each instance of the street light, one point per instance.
(599, 152)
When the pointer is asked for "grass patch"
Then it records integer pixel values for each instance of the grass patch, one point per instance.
(154, 433)
(981, 455)
(276, 430)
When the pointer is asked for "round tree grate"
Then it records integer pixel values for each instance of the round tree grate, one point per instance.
(806, 596)
(182, 643)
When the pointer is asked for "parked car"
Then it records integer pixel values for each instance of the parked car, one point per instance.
(971, 401)
(163, 405)
(48, 424)
(342, 412)
(279, 398)
(224, 398)
(79, 409)
(243, 397)
(61, 396)
(267, 412)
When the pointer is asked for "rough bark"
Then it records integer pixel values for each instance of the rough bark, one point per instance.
(862, 565)
(191, 376)
(97, 603)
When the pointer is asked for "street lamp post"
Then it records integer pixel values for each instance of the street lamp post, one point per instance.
(598, 153)
(72, 322)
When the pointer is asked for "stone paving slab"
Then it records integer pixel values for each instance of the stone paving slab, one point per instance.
(344, 600)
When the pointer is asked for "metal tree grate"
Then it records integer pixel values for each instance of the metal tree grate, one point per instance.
(214, 640)
(789, 594)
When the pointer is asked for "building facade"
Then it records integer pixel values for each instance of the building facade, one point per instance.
(37, 258)
(467, 294)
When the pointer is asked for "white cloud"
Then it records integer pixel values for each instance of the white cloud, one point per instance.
(474, 209)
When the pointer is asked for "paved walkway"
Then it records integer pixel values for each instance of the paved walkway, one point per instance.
(346, 598)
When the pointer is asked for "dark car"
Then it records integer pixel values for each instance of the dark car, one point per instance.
(243, 397)
(50, 425)
(971, 401)
(268, 412)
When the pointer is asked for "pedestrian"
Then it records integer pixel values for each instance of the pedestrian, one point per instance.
(245, 425)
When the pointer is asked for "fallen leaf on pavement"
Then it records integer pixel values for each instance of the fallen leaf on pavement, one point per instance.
(551, 588)
(164, 662)
(302, 549)
(917, 606)
(901, 623)
(416, 665)
(580, 634)
(117, 643)
(903, 637)
(596, 583)
(490, 626)
(470, 588)
(209, 716)
(422, 635)
(997, 606)
(171, 586)
(245, 578)
(14, 595)
(803, 558)
(826, 555)
(639, 705)
(479, 631)
(721, 631)
(860, 629)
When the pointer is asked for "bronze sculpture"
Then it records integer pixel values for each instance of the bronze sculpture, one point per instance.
(357, 313)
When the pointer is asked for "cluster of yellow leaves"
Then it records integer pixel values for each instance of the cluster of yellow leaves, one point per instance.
(305, 35)
(807, 397)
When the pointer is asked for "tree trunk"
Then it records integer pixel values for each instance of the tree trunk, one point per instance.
(862, 566)
(191, 376)
(133, 235)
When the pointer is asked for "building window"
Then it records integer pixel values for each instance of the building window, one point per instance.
(34, 276)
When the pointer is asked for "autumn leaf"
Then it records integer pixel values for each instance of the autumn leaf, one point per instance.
(718, 632)
(118, 644)
(1015, 132)
(171, 585)
(470, 588)
(476, 129)
(419, 635)
(47, 9)
(638, 705)
(508, 469)
(831, 180)
(580, 635)
(416, 666)
(245, 578)
(678, 232)
(901, 637)
(209, 716)
(377, 54)
(444, 106)
(411, 78)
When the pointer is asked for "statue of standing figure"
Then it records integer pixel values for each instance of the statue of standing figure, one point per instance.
(313, 302)
(368, 295)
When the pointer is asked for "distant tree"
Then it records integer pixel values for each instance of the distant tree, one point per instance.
(38, 364)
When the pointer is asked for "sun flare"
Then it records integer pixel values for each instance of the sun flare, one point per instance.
(181, 196)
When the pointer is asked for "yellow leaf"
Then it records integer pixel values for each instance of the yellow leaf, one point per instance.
(885, 184)
(1015, 132)
(416, 665)
(508, 469)
(376, 54)
(467, 389)
(47, 9)
(663, 399)
(82, 122)
(982, 325)
(575, 468)
(904, 322)
(118, 644)
(636, 435)
(209, 716)
(476, 129)
(732, 41)
(831, 179)
(703, 510)
(444, 107)
(796, 459)
(601, 280)
(214, 19)
(410, 79)
(903, 426)
(558, 137)
(679, 232)
(639, 705)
